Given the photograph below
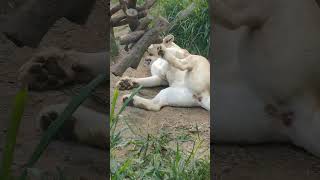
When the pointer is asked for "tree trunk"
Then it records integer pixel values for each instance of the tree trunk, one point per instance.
(131, 37)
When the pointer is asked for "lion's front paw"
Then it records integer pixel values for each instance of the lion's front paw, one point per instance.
(126, 83)
(126, 97)
(49, 69)
(49, 114)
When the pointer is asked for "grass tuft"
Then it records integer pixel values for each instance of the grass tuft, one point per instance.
(192, 33)
(153, 156)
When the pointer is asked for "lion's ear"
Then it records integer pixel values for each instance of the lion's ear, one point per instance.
(168, 39)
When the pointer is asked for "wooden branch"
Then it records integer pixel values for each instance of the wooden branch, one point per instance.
(139, 49)
(147, 5)
(132, 4)
(144, 22)
(123, 4)
(131, 37)
(115, 8)
(182, 15)
(117, 18)
(158, 40)
(150, 37)
(119, 23)
(123, 20)
(132, 17)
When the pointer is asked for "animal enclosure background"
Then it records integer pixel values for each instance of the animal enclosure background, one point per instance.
(174, 141)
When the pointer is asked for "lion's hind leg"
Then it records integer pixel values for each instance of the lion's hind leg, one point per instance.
(172, 96)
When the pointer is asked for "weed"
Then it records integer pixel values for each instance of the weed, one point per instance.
(192, 33)
(153, 156)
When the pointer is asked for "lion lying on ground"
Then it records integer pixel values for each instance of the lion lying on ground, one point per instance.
(187, 75)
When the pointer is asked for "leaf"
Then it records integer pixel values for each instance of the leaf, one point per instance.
(57, 124)
(14, 124)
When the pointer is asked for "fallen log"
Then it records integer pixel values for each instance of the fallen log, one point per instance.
(120, 23)
(123, 4)
(122, 19)
(133, 20)
(144, 22)
(150, 37)
(132, 4)
(118, 17)
(136, 53)
(182, 15)
(147, 5)
(115, 8)
(131, 37)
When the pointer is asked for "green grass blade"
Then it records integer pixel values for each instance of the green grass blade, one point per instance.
(128, 100)
(66, 114)
(113, 104)
(14, 124)
(115, 118)
(123, 107)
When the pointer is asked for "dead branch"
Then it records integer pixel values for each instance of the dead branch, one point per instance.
(123, 4)
(132, 4)
(117, 18)
(115, 8)
(144, 22)
(147, 5)
(131, 37)
(120, 23)
(182, 15)
(122, 19)
(139, 49)
(150, 37)
(132, 17)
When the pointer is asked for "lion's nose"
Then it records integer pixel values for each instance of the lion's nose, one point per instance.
(147, 61)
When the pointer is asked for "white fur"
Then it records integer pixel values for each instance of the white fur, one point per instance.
(239, 115)
(90, 127)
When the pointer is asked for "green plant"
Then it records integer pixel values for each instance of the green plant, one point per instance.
(57, 124)
(192, 33)
(152, 157)
(14, 124)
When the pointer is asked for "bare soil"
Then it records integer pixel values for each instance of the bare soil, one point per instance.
(78, 161)
(264, 162)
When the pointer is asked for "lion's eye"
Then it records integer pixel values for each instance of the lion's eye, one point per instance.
(150, 54)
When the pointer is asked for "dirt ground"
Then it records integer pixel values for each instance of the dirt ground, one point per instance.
(265, 162)
(75, 160)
